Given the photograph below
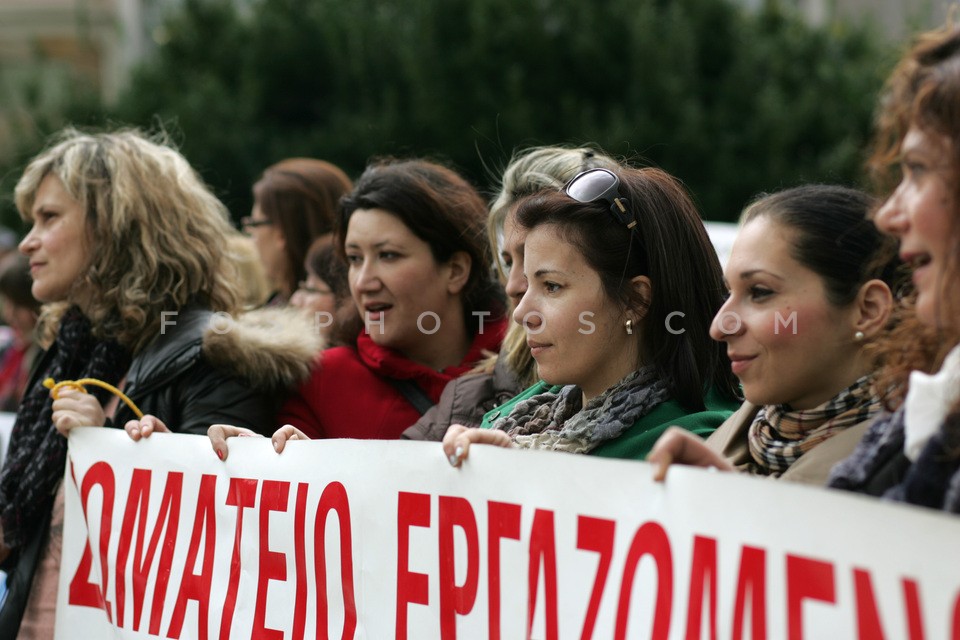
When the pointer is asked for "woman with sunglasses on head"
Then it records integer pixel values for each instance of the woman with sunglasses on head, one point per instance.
(622, 282)
(809, 279)
(912, 454)
(294, 202)
(503, 376)
(418, 267)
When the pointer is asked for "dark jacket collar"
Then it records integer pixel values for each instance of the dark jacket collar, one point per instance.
(176, 348)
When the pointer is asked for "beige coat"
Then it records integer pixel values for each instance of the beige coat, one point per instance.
(730, 441)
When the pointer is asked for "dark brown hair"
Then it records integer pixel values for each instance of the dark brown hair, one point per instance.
(325, 262)
(301, 196)
(16, 283)
(443, 210)
(670, 246)
(832, 236)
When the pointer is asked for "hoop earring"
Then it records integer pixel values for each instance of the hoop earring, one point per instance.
(858, 336)
(629, 325)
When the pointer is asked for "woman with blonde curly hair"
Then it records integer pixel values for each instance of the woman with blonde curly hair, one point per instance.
(126, 250)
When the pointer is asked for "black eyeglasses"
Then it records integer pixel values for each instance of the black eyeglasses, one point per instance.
(248, 222)
(601, 184)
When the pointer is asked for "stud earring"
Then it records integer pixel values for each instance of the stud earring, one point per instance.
(858, 336)
(629, 325)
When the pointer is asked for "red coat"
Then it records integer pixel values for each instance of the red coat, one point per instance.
(348, 394)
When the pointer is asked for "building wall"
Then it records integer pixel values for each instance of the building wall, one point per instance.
(52, 48)
(97, 39)
(897, 18)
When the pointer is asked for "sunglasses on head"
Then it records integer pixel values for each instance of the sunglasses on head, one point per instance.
(601, 184)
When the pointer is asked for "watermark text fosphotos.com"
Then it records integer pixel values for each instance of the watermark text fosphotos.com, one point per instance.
(534, 322)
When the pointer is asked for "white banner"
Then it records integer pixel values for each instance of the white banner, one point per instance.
(377, 540)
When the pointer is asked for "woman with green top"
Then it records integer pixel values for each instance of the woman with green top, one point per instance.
(622, 283)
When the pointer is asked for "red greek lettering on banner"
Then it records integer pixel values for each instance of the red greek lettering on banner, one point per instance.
(807, 579)
(82, 591)
(242, 494)
(135, 516)
(503, 521)
(752, 580)
(454, 512)
(543, 551)
(652, 540)
(334, 499)
(196, 586)
(596, 534)
(413, 510)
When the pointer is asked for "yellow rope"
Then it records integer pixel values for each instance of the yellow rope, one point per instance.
(78, 384)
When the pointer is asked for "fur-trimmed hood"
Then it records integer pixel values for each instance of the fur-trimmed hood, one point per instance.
(268, 347)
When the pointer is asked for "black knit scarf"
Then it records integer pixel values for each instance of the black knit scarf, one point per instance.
(35, 459)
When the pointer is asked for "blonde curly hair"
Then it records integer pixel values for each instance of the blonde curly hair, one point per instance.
(157, 233)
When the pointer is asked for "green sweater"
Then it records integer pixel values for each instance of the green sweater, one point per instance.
(635, 443)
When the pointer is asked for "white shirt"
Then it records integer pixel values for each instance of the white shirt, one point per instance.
(929, 400)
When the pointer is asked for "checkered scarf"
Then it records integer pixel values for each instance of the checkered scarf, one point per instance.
(778, 436)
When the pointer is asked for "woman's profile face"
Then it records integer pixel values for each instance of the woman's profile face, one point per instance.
(400, 290)
(58, 241)
(511, 256)
(576, 333)
(787, 343)
(921, 213)
(271, 247)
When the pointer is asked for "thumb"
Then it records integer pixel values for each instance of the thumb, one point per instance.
(662, 463)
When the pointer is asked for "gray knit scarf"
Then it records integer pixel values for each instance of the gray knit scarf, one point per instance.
(558, 422)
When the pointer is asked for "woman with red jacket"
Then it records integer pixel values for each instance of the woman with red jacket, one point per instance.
(413, 234)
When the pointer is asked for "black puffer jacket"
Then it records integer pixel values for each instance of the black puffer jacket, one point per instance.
(173, 380)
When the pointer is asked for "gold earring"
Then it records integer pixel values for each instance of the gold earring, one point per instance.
(629, 326)
(858, 336)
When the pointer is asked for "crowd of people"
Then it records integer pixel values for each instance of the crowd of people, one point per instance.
(583, 311)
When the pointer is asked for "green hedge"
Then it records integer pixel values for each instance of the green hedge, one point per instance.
(733, 103)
